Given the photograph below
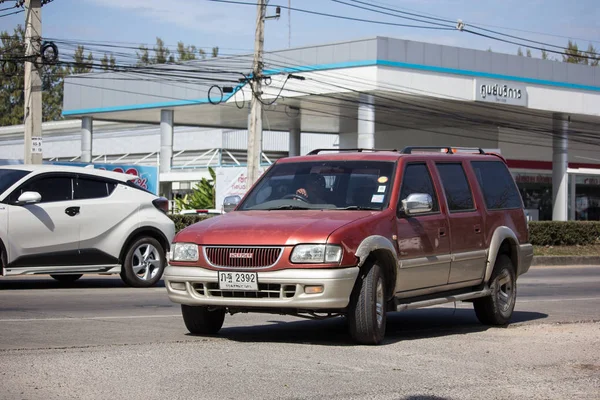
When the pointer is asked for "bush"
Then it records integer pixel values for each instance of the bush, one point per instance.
(567, 233)
(182, 221)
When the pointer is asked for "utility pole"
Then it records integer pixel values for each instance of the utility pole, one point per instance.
(255, 122)
(255, 128)
(33, 83)
(289, 23)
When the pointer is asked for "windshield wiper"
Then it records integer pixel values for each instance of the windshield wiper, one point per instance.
(289, 207)
(358, 208)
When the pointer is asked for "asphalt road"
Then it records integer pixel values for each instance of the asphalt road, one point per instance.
(100, 339)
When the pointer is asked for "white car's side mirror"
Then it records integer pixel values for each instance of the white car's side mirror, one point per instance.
(29, 198)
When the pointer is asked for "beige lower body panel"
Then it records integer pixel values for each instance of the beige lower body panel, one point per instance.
(525, 258)
(337, 287)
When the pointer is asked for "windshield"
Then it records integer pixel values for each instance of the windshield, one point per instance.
(9, 177)
(348, 185)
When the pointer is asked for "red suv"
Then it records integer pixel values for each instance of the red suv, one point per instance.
(359, 233)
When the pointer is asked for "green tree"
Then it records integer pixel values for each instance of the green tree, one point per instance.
(162, 54)
(12, 48)
(185, 53)
(202, 53)
(201, 197)
(215, 51)
(592, 52)
(143, 56)
(108, 63)
(545, 55)
(81, 64)
(528, 53)
(573, 55)
(520, 52)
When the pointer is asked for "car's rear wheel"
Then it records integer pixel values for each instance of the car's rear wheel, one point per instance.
(67, 278)
(367, 313)
(3, 259)
(144, 262)
(201, 320)
(497, 308)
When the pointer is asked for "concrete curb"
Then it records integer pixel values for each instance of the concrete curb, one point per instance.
(565, 260)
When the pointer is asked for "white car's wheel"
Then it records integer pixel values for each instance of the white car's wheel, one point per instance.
(144, 262)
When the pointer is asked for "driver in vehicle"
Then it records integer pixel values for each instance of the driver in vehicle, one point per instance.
(315, 189)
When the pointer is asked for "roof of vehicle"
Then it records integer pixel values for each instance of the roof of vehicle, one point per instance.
(77, 170)
(387, 155)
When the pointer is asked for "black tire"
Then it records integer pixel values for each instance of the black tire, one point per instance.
(497, 308)
(67, 278)
(367, 311)
(201, 320)
(3, 259)
(153, 267)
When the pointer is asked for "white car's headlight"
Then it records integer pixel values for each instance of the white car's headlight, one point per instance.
(184, 252)
(316, 253)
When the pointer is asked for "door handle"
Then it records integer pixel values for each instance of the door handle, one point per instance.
(72, 211)
(442, 232)
(477, 229)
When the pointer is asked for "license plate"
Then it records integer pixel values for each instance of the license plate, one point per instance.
(243, 281)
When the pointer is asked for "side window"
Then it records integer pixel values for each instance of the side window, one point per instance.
(56, 188)
(417, 179)
(92, 189)
(497, 185)
(456, 187)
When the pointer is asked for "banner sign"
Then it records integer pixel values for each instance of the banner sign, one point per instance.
(147, 175)
(232, 181)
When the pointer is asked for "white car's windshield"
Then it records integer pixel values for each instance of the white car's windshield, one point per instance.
(348, 185)
(9, 177)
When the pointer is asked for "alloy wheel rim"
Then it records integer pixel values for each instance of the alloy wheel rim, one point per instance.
(146, 261)
(505, 291)
(379, 300)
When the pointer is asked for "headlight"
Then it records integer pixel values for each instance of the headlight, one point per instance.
(184, 252)
(316, 253)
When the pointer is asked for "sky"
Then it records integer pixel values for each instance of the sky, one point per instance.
(231, 26)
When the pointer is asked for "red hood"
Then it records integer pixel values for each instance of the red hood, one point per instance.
(281, 227)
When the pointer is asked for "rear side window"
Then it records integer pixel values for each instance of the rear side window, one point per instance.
(418, 180)
(497, 185)
(456, 187)
(92, 189)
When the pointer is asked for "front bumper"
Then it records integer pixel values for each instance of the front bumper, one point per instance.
(277, 289)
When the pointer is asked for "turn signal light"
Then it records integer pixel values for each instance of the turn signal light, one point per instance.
(313, 289)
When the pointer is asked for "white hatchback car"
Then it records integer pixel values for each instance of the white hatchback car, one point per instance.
(68, 221)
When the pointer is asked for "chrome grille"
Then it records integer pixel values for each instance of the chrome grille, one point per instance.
(242, 257)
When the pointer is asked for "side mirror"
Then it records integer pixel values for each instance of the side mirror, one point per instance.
(230, 203)
(417, 203)
(29, 198)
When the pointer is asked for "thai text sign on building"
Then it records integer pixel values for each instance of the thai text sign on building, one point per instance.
(493, 91)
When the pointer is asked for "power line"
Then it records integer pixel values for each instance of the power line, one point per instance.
(390, 14)
(12, 13)
(483, 24)
(449, 21)
(336, 16)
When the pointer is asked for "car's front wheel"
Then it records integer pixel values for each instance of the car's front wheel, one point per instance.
(201, 320)
(367, 313)
(144, 262)
(67, 278)
(497, 308)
